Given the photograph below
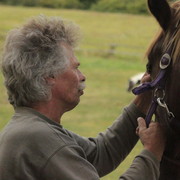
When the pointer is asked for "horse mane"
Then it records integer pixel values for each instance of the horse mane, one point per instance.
(174, 22)
(167, 34)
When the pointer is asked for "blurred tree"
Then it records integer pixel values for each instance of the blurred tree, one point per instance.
(50, 3)
(28, 2)
(71, 4)
(87, 3)
(128, 6)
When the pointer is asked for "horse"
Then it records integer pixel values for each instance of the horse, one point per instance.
(164, 67)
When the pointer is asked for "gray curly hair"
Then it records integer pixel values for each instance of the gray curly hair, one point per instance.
(32, 53)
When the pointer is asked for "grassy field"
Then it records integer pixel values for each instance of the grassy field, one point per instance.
(107, 74)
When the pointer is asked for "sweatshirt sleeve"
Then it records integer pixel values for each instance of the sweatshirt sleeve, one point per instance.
(113, 146)
(68, 163)
(144, 167)
(109, 149)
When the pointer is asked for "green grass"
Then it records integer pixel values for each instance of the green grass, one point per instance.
(107, 76)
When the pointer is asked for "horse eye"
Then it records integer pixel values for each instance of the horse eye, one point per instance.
(149, 68)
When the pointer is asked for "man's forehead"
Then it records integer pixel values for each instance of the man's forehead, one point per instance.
(69, 50)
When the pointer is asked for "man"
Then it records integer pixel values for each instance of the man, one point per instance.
(43, 81)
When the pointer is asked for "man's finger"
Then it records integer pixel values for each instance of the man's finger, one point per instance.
(146, 78)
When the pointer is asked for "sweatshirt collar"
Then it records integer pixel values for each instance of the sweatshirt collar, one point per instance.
(19, 111)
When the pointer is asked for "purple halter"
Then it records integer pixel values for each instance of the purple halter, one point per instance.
(158, 84)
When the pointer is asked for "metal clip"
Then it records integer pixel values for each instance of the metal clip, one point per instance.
(164, 105)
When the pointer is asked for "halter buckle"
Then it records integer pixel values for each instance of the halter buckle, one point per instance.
(165, 61)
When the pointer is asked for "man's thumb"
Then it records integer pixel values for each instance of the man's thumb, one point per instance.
(141, 124)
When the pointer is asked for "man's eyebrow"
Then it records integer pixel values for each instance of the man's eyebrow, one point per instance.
(77, 64)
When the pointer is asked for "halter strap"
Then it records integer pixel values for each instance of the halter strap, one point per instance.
(160, 79)
(158, 83)
(150, 85)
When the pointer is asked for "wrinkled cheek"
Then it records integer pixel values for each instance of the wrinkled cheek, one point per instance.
(73, 96)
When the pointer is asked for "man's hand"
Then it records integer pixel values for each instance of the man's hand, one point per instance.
(144, 100)
(153, 138)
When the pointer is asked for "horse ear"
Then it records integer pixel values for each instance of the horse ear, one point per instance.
(161, 11)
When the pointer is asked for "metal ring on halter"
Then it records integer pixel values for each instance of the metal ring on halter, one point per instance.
(156, 94)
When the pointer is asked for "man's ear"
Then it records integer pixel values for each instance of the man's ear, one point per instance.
(161, 11)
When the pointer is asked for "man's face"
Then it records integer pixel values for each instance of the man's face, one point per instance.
(69, 85)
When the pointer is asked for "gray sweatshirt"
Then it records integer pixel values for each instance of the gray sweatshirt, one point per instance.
(33, 147)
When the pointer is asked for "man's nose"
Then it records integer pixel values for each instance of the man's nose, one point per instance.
(83, 77)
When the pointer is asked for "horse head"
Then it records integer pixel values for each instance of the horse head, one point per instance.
(168, 41)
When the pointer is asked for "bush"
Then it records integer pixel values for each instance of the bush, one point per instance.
(28, 2)
(20, 2)
(87, 3)
(49, 3)
(109, 5)
(137, 7)
(71, 4)
(129, 6)
(60, 4)
(12, 2)
(46, 3)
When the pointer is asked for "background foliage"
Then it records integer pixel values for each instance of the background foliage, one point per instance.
(128, 6)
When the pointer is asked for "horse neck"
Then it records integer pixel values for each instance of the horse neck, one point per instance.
(170, 164)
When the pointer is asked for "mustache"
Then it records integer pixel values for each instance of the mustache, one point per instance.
(82, 86)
